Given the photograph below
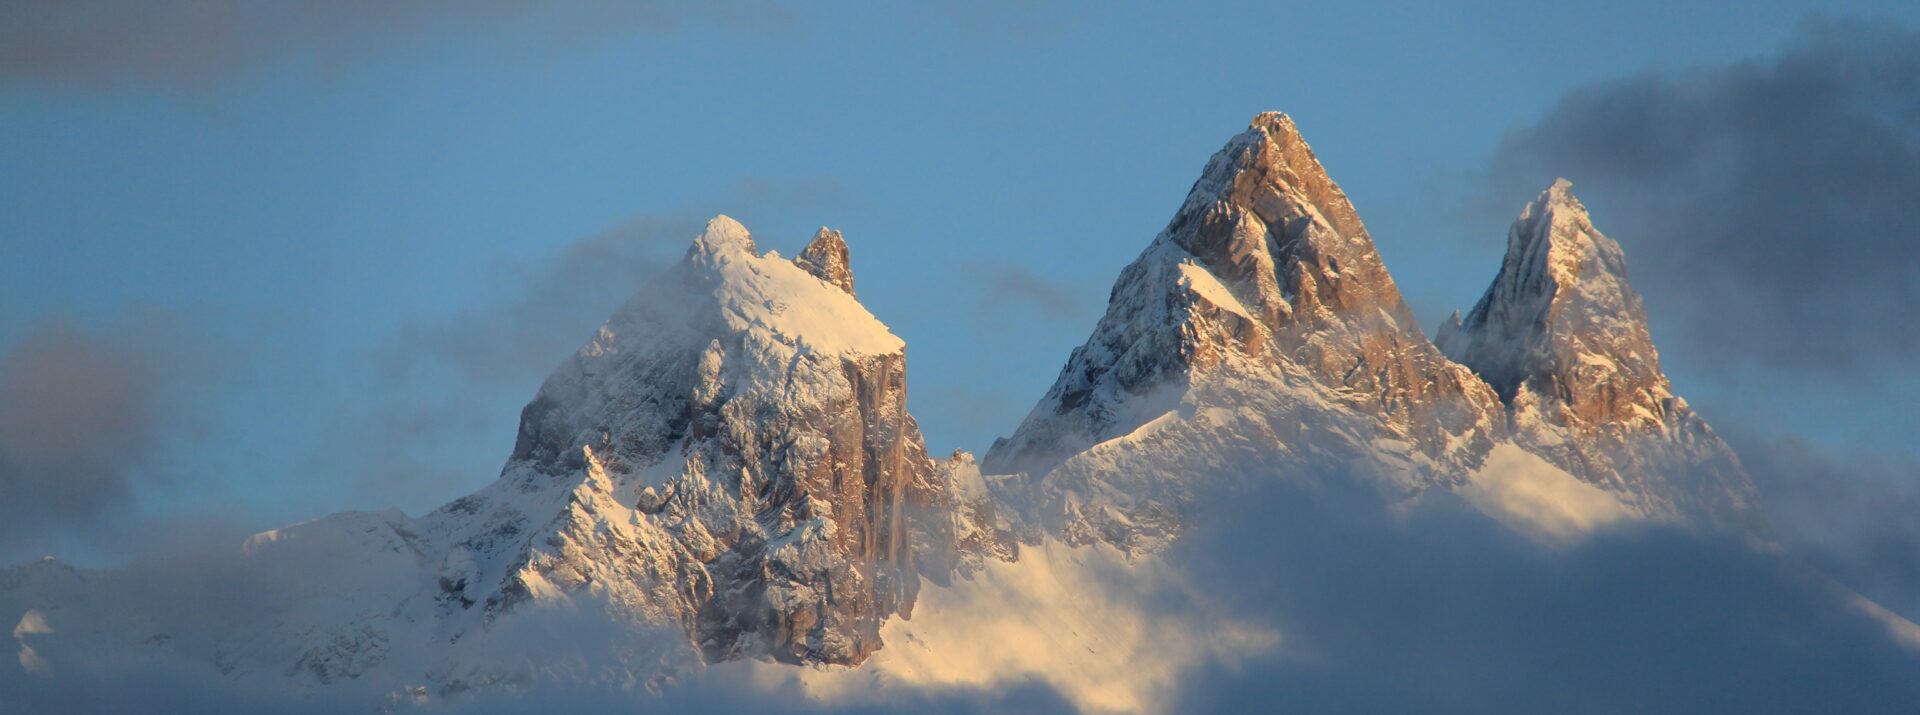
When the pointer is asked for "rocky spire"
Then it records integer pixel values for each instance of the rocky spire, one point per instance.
(1265, 264)
(1264, 275)
(826, 258)
(1267, 220)
(1561, 319)
(1562, 337)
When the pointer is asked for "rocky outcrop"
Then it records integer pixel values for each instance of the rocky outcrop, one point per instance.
(826, 258)
(1563, 338)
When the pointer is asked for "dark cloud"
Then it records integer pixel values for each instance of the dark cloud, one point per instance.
(1004, 287)
(82, 416)
(1770, 202)
(1443, 611)
(113, 41)
(1853, 516)
(76, 417)
(543, 309)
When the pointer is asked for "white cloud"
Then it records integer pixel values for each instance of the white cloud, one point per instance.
(1082, 621)
(1531, 496)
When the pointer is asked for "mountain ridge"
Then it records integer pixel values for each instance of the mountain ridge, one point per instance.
(727, 469)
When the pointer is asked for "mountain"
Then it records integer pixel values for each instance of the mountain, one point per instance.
(1258, 335)
(729, 459)
(737, 458)
(1563, 339)
(727, 470)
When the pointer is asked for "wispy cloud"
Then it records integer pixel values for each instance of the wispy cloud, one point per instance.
(1004, 287)
(1852, 515)
(84, 411)
(442, 378)
(106, 42)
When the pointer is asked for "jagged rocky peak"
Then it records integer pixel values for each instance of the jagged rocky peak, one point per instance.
(1562, 337)
(1265, 268)
(1560, 319)
(1266, 218)
(737, 458)
(1282, 163)
(1258, 336)
(1272, 227)
(826, 258)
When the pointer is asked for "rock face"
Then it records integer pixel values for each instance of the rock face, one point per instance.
(1563, 339)
(1258, 333)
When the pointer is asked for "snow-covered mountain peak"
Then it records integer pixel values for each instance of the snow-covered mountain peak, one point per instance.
(1561, 300)
(1563, 338)
(724, 287)
(826, 258)
(729, 457)
(746, 467)
(1262, 311)
(1581, 261)
(724, 234)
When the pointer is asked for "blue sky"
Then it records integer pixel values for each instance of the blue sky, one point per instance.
(291, 222)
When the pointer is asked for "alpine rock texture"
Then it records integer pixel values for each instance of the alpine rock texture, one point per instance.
(1258, 335)
(1563, 339)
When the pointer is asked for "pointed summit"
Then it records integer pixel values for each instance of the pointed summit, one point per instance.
(1272, 160)
(724, 234)
(826, 258)
(1264, 294)
(1563, 339)
(1561, 304)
